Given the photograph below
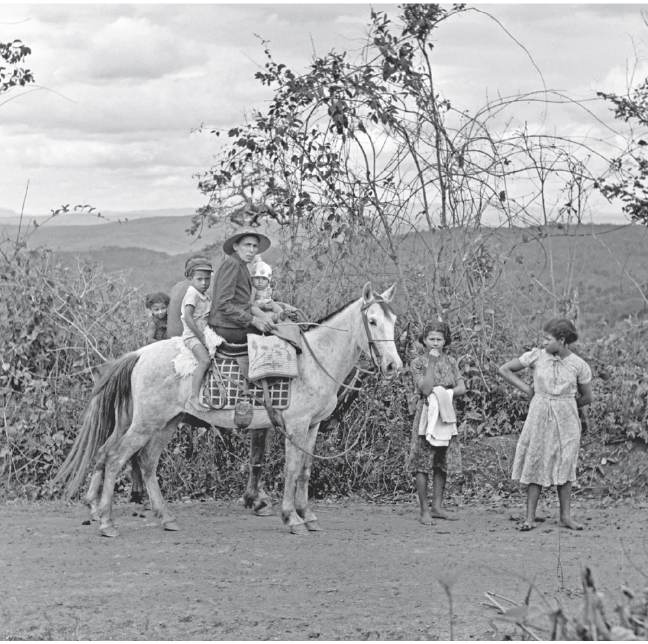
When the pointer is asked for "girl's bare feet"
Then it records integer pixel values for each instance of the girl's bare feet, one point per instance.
(527, 526)
(442, 514)
(570, 524)
(426, 517)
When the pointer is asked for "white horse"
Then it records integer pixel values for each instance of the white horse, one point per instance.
(140, 401)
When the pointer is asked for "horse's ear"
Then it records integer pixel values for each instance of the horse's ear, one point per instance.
(367, 293)
(389, 293)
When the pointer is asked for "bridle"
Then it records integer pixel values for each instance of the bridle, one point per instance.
(387, 308)
(373, 351)
(276, 419)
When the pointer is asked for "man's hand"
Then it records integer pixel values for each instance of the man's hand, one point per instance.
(264, 324)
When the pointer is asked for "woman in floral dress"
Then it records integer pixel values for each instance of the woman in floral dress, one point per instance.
(547, 451)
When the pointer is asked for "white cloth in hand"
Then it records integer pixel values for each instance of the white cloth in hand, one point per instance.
(432, 427)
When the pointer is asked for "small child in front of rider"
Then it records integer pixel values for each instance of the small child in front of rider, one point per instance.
(195, 311)
(432, 370)
(157, 305)
(262, 301)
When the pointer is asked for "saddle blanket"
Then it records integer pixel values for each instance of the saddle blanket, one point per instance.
(225, 393)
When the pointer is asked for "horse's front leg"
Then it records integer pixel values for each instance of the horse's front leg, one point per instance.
(254, 496)
(292, 473)
(301, 492)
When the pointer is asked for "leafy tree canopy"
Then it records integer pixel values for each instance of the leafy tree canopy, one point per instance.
(629, 171)
(11, 74)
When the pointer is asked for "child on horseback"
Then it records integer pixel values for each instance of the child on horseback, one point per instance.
(262, 301)
(547, 450)
(157, 304)
(195, 311)
(437, 380)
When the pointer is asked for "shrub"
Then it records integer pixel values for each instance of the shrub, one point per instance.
(56, 323)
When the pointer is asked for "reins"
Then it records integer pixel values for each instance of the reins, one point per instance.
(276, 421)
(386, 306)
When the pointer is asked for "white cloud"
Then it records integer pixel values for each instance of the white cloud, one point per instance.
(127, 83)
(134, 48)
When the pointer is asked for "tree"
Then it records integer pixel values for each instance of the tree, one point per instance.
(628, 177)
(13, 54)
(369, 172)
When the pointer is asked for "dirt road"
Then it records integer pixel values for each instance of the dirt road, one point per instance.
(227, 575)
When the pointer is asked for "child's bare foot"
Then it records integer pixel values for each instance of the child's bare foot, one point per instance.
(193, 404)
(527, 526)
(570, 524)
(426, 518)
(442, 514)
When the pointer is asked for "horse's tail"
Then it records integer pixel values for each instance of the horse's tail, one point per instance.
(111, 395)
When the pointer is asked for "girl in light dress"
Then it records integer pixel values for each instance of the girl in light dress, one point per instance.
(547, 451)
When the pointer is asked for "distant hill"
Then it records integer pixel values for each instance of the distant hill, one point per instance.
(166, 234)
(11, 218)
(146, 269)
(163, 234)
(152, 252)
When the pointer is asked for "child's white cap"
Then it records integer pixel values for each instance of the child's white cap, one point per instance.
(261, 269)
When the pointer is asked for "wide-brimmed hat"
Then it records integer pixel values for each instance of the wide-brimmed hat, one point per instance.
(264, 242)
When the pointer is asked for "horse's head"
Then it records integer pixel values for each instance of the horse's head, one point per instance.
(378, 340)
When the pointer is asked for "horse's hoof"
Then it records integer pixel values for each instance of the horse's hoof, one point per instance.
(262, 509)
(94, 516)
(298, 528)
(111, 531)
(264, 512)
(147, 505)
(313, 526)
(171, 526)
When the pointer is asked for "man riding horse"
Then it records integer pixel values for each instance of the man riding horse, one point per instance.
(230, 314)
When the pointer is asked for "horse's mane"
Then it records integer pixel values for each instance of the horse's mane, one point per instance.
(328, 316)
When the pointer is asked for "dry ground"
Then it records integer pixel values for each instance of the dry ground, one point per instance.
(229, 575)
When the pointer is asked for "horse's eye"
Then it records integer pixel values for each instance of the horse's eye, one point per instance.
(372, 322)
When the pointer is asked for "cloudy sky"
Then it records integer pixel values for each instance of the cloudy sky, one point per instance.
(120, 89)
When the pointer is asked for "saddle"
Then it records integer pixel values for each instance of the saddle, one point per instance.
(226, 382)
(229, 350)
